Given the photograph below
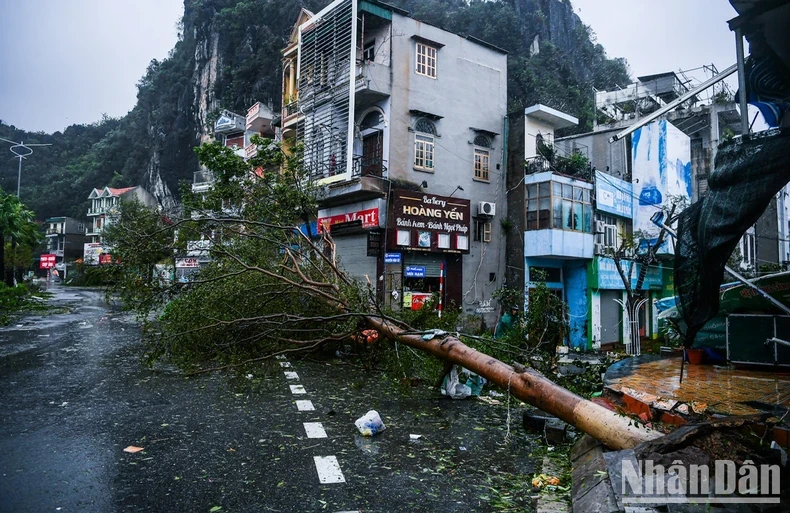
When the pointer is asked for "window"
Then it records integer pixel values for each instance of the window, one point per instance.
(369, 52)
(426, 60)
(748, 250)
(545, 274)
(482, 158)
(607, 234)
(424, 133)
(560, 206)
(482, 231)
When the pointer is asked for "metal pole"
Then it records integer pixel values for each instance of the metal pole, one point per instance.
(669, 106)
(742, 97)
(441, 288)
(19, 176)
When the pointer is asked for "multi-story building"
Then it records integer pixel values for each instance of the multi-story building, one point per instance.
(105, 205)
(65, 237)
(569, 217)
(707, 119)
(403, 129)
(551, 235)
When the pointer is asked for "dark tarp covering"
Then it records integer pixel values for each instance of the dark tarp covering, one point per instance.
(749, 171)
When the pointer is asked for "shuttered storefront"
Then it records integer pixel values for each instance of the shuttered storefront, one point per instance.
(431, 262)
(353, 254)
(610, 316)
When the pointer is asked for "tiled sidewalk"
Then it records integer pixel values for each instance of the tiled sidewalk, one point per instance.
(720, 390)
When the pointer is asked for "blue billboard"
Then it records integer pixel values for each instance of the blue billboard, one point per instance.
(613, 195)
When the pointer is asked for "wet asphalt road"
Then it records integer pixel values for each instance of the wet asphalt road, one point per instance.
(73, 395)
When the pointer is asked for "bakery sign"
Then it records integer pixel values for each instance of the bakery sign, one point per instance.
(427, 222)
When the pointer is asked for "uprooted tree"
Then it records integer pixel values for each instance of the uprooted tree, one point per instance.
(272, 287)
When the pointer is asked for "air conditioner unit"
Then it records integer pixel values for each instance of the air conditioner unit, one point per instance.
(600, 227)
(598, 248)
(486, 208)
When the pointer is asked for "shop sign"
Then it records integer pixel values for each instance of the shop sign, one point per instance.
(105, 258)
(427, 222)
(608, 278)
(369, 219)
(374, 243)
(91, 252)
(48, 261)
(613, 195)
(392, 258)
(187, 263)
(414, 271)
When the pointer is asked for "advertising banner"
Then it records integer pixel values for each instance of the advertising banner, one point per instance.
(613, 195)
(48, 261)
(91, 252)
(427, 222)
(605, 275)
(661, 158)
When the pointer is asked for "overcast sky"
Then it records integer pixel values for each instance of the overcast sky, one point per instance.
(666, 35)
(69, 61)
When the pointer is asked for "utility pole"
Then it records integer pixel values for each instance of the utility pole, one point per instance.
(22, 151)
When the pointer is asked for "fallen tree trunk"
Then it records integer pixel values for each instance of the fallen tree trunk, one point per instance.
(614, 430)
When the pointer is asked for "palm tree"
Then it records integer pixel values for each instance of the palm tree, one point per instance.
(16, 225)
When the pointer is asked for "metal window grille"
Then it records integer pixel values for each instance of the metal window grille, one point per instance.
(327, 52)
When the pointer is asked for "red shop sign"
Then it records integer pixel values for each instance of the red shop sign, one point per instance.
(369, 218)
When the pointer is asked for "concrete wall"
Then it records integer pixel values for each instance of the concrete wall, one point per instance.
(514, 271)
(596, 147)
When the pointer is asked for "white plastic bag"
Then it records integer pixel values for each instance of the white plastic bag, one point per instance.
(370, 424)
(452, 386)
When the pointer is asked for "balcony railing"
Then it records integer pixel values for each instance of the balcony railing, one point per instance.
(290, 109)
(202, 177)
(537, 165)
(250, 151)
(368, 166)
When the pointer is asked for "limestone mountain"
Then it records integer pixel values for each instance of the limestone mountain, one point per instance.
(228, 56)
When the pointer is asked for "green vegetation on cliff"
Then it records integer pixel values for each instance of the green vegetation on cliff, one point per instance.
(179, 96)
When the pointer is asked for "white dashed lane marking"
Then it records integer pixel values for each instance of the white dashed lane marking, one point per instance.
(297, 389)
(314, 430)
(305, 406)
(328, 470)
(291, 375)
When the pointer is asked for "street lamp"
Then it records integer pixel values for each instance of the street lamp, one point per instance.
(22, 151)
